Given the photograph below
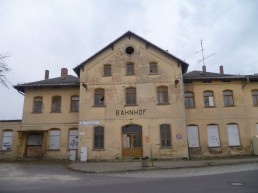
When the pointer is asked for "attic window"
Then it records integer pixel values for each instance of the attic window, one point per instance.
(129, 50)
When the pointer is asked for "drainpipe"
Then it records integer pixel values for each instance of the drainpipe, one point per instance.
(247, 81)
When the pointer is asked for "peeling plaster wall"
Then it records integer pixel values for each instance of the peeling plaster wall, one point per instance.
(146, 87)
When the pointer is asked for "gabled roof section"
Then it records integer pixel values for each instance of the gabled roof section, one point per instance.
(200, 75)
(130, 34)
(67, 80)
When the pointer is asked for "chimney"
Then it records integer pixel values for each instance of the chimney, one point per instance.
(64, 72)
(46, 74)
(204, 68)
(221, 70)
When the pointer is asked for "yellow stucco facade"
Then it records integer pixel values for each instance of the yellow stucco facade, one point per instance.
(129, 101)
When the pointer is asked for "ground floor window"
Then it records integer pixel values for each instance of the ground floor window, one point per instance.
(213, 136)
(233, 135)
(193, 136)
(98, 137)
(54, 139)
(7, 140)
(73, 139)
(165, 135)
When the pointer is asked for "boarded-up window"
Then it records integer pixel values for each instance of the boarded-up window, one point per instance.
(54, 139)
(73, 139)
(256, 129)
(208, 99)
(193, 136)
(7, 140)
(233, 135)
(213, 136)
(35, 139)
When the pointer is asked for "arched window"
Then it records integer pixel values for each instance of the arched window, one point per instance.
(98, 137)
(37, 104)
(56, 104)
(99, 97)
(54, 139)
(208, 99)
(130, 96)
(75, 100)
(7, 140)
(165, 135)
(162, 95)
(189, 100)
(228, 98)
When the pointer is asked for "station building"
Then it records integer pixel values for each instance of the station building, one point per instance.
(132, 99)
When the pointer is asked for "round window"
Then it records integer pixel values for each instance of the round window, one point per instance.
(129, 50)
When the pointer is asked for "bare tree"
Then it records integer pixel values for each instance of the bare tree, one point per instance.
(3, 70)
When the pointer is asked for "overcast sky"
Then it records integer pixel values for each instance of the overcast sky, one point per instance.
(51, 34)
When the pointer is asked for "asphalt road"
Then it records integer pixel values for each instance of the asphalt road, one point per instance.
(48, 178)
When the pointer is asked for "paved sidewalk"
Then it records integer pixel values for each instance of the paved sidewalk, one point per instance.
(123, 166)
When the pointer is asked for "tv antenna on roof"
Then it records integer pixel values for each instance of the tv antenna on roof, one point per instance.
(203, 57)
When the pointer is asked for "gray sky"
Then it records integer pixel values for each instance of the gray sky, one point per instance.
(51, 34)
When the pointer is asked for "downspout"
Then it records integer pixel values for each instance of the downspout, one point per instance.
(247, 81)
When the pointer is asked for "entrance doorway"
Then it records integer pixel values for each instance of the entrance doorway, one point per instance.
(34, 145)
(132, 141)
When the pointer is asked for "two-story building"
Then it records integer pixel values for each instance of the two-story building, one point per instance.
(132, 99)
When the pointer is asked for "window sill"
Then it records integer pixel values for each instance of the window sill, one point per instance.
(132, 105)
(163, 147)
(229, 106)
(99, 106)
(130, 74)
(55, 112)
(74, 112)
(162, 104)
(36, 112)
(98, 149)
(107, 76)
(210, 107)
(53, 149)
(5, 150)
(152, 73)
(190, 107)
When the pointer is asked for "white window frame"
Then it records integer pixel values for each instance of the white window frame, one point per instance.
(73, 139)
(213, 136)
(193, 136)
(7, 140)
(233, 135)
(54, 139)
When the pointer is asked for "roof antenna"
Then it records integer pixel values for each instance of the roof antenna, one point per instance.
(203, 57)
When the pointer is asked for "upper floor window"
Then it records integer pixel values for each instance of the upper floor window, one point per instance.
(107, 70)
(189, 100)
(165, 135)
(75, 103)
(98, 137)
(56, 104)
(99, 97)
(255, 97)
(163, 95)
(130, 69)
(131, 96)
(7, 140)
(228, 98)
(153, 68)
(37, 104)
(208, 99)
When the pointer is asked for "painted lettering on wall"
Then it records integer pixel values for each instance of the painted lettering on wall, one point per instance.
(130, 112)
